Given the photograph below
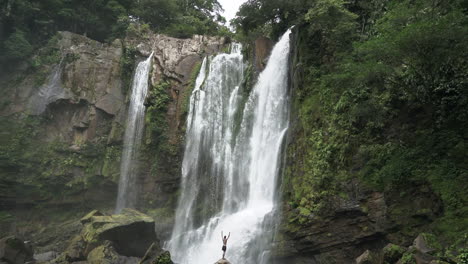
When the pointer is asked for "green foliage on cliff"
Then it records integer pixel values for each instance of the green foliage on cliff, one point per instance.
(127, 64)
(381, 96)
(164, 258)
(27, 24)
(36, 170)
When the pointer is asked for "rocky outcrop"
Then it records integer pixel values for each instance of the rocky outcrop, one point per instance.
(425, 250)
(14, 251)
(175, 66)
(82, 91)
(263, 46)
(76, 94)
(121, 238)
(391, 253)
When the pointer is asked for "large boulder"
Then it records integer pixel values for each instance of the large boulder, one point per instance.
(14, 251)
(105, 237)
(131, 232)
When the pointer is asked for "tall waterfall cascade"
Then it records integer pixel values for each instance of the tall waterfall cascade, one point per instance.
(134, 125)
(232, 160)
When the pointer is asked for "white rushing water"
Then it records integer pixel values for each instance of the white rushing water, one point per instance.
(50, 91)
(126, 197)
(231, 160)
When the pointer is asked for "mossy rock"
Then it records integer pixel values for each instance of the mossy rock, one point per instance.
(104, 254)
(88, 218)
(407, 258)
(74, 252)
(392, 253)
(131, 232)
(164, 258)
(427, 243)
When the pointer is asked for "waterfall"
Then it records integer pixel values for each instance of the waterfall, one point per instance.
(231, 160)
(126, 197)
(49, 92)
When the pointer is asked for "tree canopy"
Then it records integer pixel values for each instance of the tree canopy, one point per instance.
(25, 24)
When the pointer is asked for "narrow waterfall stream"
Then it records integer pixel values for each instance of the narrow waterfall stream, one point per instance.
(231, 160)
(50, 91)
(132, 139)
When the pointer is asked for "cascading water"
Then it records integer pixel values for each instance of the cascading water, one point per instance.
(50, 91)
(132, 139)
(231, 160)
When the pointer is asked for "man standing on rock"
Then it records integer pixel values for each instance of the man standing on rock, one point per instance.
(225, 239)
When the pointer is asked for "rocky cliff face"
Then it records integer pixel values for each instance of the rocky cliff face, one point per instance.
(63, 118)
(175, 65)
(358, 224)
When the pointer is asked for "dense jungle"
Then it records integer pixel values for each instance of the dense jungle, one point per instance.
(306, 131)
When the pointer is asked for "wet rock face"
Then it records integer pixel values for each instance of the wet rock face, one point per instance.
(174, 62)
(369, 221)
(80, 94)
(263, 46)
(92, 72)
(340, 235)
(176, 57)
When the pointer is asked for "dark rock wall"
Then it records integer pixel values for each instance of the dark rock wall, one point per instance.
(66, 159)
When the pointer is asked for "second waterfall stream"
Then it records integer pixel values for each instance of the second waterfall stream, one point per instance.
(232, 160)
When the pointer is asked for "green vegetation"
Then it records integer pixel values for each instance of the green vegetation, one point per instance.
(164, 258)
(160, 150)
(156, 123)
(43, 170)
(27, 24)
(380, 96)
(408, 258)
(127, 64)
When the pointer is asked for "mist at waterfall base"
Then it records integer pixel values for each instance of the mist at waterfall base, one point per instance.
(231, 160)
(126, 197)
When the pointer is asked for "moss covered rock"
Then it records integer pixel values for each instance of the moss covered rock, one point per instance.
(427, 243)
(131, 232)
(104, 238)
(392, 253)
(106, 254)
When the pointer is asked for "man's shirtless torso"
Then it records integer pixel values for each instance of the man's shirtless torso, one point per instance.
(225, 240)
